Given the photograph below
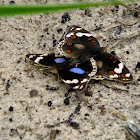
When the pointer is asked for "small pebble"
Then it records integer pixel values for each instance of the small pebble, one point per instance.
(75, 125)
(18, 61)
(33, 93)
(50, 103)
(118, 31)
(59, 30)
(136, 14)
(67, 101)
(42, 36)
(54, 42)
(10, 119)
(77, 109)
(11, 2)
(113, 52)
(65, 17)
(127, 52)
(88, 12)
(11, 108)
(8, 85)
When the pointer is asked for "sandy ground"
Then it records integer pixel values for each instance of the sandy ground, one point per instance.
(29, 111)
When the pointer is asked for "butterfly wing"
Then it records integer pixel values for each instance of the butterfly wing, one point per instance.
(73, 73)
(79, 74)
(77, 41)
(112, 68)
(43, 59)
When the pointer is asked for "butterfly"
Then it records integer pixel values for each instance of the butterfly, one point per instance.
(82, 59)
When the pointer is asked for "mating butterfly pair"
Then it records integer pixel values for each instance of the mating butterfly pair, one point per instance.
(82, 59)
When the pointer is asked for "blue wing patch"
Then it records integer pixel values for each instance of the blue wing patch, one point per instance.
(59, 60)
(77, 70)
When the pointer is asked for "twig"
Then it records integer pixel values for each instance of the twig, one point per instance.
(130, 7)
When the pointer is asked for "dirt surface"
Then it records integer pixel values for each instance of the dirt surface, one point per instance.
(30, 111)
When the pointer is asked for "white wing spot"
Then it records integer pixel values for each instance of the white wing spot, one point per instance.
(82, 34)
(31, 56)
(44, 55)
(81, 86)
(119, 70)
(74, 81)
(69, 35)
(113, 76)
(38, 59)
(78, 29)
(76, 87)
(127, 75)
(84, 80)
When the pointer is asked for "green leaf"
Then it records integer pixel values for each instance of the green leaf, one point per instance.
(10, 10)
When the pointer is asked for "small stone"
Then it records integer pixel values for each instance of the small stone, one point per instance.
(54, 42)
(88, 12)
(11, 2)
(50, 103)
(11, 108)
(118, 31)
(59, 30)
(42, 36)
(113, 52)
(33, 93)
(65, 17)
(67, 101)
(75, 125)
(8, 85)
(136, 14)
(77, 109)
(10, 119)
(127, 52)
(97, 28)
(86, 114)
(18, 61)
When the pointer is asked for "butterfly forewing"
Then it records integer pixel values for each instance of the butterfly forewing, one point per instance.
(77, 41)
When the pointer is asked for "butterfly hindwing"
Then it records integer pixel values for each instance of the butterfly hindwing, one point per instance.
(112, 68)
(78, 75)
(77, 41)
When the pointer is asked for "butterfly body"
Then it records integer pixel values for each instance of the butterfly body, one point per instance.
(82, 59)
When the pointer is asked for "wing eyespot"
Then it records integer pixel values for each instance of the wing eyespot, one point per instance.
(100, 72)
(73, 36)
(67, 51)
(123, 75)
(69, 44)
(114, 61)
(92, 40)
(75, 31)
(111, 73)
